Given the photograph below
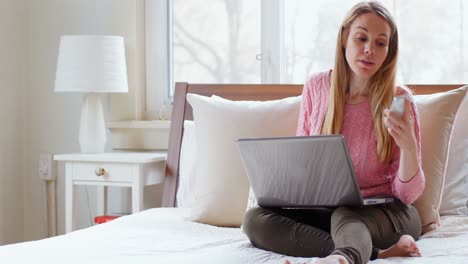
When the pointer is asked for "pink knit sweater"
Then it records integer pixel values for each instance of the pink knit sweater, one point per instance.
(374, 177)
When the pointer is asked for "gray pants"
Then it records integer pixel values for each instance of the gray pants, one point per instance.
(355, 233)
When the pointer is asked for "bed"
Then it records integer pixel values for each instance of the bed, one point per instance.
(168, 235)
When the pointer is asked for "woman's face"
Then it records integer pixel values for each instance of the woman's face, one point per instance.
(366, 46)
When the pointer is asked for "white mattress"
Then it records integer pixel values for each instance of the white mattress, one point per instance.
(163, 235)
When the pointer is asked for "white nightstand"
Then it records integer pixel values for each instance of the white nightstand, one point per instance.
(126, 169)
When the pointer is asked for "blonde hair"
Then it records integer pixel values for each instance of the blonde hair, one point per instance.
(382, 84)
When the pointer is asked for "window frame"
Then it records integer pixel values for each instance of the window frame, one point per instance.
(272, 41)
(158, 48)
(158, 56)
(158, 40)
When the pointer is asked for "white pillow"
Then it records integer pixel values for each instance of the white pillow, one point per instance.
(455, 194)
(436, 117)
(188, 153)
(220, 187)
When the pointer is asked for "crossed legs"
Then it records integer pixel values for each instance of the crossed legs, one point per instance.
(352, 233)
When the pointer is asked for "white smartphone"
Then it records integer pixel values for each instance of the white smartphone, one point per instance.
(398, 105)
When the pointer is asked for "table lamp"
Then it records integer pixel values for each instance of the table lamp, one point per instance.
(91, 64)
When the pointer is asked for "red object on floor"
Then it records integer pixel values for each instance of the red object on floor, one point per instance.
(101, 219)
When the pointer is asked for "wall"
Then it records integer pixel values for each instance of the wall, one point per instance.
(53, 118)
(12, 84)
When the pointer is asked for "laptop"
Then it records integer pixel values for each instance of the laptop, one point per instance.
(302, 172)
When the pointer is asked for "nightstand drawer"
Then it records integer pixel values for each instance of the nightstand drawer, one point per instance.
(111, 172)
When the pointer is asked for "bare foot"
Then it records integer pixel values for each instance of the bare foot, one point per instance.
(405, 247)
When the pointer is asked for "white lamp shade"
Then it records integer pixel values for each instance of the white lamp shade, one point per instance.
(88, 63)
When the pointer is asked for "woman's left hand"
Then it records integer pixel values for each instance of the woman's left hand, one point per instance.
(401, 127)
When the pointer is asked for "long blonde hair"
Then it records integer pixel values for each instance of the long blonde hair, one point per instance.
(382, 84)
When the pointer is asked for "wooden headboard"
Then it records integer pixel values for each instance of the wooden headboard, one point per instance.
(261, 92)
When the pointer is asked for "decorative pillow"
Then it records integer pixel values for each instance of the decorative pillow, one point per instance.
(455, 193)
(436, 116)
(220, 187)
(188, 151)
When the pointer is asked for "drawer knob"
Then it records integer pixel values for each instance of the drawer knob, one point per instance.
(100, 171)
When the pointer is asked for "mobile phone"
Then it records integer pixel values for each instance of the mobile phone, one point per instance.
(398, 105)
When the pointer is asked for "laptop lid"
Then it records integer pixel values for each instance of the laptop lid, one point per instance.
(301, 172)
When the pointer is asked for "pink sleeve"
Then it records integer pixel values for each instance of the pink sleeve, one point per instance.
(303, 127)
(409, 191)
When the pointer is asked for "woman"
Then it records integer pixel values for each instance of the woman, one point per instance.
(353, 100)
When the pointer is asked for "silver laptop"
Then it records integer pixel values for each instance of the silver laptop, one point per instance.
(302, 172)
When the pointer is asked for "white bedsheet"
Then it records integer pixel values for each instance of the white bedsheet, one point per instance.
(163, 235)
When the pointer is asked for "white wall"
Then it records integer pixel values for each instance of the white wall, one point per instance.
(52, 118)
(12, 58)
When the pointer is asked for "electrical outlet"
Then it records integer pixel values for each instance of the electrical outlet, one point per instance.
(45, 169)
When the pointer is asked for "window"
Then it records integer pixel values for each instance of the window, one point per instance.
(434, 41)
(278, 41)
(433, 38)
(216, 41)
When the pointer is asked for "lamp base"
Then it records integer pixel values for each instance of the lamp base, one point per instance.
(92, 136)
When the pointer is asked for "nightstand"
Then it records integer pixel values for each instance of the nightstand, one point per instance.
(125, 169)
